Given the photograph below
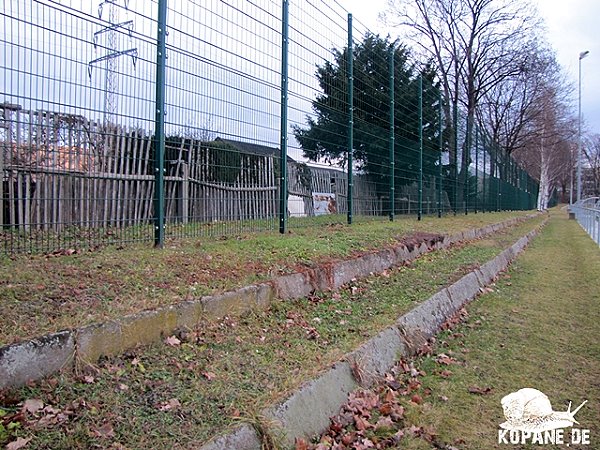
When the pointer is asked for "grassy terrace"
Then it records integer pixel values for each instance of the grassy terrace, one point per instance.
(67, 291)
(179, 393)
(538, 327)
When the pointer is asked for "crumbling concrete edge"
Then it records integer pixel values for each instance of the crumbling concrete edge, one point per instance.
(37, 358)
(334, 275)
(307, 412)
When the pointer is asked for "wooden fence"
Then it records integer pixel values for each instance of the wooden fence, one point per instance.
(62, 171)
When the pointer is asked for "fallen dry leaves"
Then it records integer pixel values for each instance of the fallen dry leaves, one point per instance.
(169, 405)
(454, 320)
(375, 418)
(18, 443)
(33, 405)
(209, 375)
(172, 341)
(446, 360)
(105, 431)
(479, 390)
(34, 414)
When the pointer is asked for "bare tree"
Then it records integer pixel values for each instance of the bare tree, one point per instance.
(475, 45)
(567, 177)
(529, 115)
(547, 153)
(203, 133)
(509, 110)
(591, 151)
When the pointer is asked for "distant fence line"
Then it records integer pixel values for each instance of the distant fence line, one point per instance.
(87, 136)
(587, 213)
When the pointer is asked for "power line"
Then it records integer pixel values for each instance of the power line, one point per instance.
(113, 52)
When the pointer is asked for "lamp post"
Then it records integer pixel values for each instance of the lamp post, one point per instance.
(581, 56)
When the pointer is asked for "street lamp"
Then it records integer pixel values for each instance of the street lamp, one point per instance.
(581, 56)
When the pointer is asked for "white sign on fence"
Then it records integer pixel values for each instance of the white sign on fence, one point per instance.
(324, 203)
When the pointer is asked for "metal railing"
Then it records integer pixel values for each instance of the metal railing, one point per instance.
(587, 213)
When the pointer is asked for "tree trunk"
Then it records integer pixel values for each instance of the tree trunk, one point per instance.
(544, 192)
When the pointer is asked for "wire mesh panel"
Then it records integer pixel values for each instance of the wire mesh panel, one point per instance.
(434, 198)
(222, 123)
(318, 113)
(251, 113)
(76, 129)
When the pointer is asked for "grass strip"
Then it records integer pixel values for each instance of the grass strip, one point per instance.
(70, 290)
(538, 327)
(183, 392)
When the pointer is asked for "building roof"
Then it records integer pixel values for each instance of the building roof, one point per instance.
(254, 149)
(332, 170)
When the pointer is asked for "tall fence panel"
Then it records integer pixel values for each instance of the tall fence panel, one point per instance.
(76, 124)
(587, 213)
(82, 124)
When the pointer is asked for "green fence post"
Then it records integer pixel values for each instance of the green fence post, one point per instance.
(525, 189)
(483, 198)
(467, 148)
(159, 133)
(521, 191)
(441, 144)
(511, 191)
(507, 185)
(527, 194)
(350, 118)
(455, 137)
(283, 188)
(509, 182)
(515, 184)
(517, 179)
(523, 185)
(476, 167)
(392, 136)
(526, 201)
(499, 182)
(420, 214)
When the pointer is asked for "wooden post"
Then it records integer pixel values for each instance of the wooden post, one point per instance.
(184, 194)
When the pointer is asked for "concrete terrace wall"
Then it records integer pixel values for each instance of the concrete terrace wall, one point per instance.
(308, 410)
(37, 358)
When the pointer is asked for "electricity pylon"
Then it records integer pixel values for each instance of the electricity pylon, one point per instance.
(113, 52)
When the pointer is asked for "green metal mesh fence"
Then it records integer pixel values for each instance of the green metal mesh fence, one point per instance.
(139, 121)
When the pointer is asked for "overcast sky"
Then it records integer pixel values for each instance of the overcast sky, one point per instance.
(572, 27)
(225, 78)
